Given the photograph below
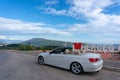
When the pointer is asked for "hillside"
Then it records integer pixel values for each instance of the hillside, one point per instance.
(45, 42)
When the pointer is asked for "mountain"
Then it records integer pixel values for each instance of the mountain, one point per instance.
(6, 41)
(45, 42)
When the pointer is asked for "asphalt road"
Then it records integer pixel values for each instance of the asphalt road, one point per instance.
(17, 66)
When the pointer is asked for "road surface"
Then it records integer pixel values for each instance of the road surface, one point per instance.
(17, 66)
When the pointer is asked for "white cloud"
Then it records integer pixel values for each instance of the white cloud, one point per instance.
(50, 10)
(3, 37)
(49, 2)
(89, 8)
(99, 25)
(21, 28)
(6, 37)
(11, 24)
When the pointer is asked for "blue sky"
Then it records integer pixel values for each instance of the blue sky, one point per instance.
(91, 21)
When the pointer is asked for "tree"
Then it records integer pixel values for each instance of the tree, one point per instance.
(26, 47)
(29, 47)
(22, 47)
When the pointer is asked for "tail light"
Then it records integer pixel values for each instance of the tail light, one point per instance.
(93, 59)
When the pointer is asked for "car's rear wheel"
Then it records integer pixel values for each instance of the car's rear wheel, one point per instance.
(40, 60)
(76, 68)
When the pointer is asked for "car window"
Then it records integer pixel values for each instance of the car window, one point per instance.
(61, 50)
(57, 51)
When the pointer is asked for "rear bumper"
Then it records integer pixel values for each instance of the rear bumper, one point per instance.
(93, 67)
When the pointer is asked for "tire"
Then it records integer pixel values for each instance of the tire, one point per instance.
(40, 60)
(76, 68)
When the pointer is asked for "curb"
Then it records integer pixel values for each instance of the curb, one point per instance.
(111, 68)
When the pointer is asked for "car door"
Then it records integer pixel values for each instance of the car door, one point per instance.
(55, 58)
(60, 60)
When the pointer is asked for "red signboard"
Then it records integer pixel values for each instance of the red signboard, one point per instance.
(77, 45)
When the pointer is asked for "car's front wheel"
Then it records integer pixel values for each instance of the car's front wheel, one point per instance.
(40, 60)
(76, 68)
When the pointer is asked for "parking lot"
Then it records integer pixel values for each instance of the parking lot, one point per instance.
(17, 66)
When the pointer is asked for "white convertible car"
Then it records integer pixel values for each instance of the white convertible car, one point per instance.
(77, 63)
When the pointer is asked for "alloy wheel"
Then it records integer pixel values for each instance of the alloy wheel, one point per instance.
(76, 68)
(40, 60)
